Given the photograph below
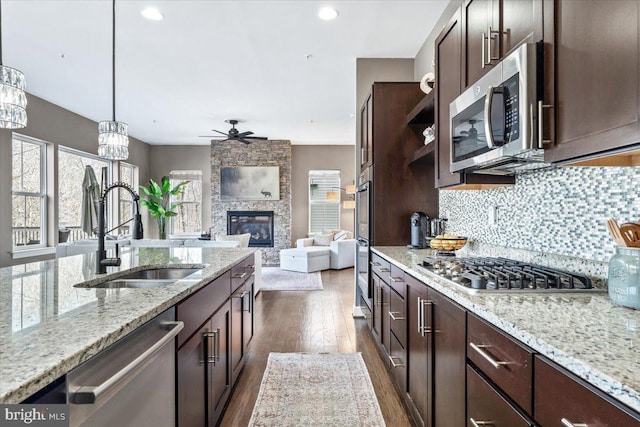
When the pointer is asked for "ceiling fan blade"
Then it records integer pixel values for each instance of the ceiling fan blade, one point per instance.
(246, 141)
(222, 133)
(211, 136)
(244, 134)
(258, 137)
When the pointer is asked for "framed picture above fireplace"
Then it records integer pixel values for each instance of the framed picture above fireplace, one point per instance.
(249, 183)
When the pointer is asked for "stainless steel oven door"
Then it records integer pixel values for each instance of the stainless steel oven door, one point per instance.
(362, 268)
(363, 211)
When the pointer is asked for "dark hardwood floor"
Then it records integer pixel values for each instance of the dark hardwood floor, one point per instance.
(311, 321)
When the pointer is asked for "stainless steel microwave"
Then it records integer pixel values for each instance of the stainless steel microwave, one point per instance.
(495, 122)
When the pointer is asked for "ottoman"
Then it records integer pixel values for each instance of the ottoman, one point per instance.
(305, 260)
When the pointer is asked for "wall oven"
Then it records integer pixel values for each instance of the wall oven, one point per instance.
(496, 124)
(363, 234)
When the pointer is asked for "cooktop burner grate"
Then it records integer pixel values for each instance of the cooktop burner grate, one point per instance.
(504, 274)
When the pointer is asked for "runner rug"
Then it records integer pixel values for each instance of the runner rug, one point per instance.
(316, 389)
(276, 279)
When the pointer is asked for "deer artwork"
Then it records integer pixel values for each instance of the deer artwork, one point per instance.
(266, 193)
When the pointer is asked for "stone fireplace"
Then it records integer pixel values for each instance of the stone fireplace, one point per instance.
(258, 153)
(257, 223)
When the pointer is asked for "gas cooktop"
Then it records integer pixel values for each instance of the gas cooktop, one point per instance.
(485, 275)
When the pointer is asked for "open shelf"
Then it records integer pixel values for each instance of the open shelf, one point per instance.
(423, 113)
(422, 152)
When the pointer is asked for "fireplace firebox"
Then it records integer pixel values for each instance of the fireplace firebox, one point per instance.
(258, 223)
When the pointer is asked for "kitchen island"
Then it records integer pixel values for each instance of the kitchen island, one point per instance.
(48, 326)
(584, 333)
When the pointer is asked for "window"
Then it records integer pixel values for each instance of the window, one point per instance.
(71, 170)
(128, 175)
(189, 213)
(28, 193)
(324, 211)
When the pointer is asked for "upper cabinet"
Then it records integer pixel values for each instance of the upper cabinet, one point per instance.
(449, 81)
(597, 75)
(493, 28)
(366, 133)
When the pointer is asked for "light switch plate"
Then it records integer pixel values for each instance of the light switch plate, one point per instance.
(493, 215)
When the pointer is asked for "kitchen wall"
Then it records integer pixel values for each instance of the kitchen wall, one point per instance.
(320, 157)
(57, 126)
(560, 210)
(259, 153)
(165, 158)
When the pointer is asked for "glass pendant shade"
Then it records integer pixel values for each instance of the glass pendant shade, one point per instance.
(13, 100)
(113, 140)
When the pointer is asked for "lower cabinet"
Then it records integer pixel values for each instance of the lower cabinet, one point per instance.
(585, 407)
(213, 345)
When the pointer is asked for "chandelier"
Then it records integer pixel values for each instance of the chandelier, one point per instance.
(13, 100)
(113, 136)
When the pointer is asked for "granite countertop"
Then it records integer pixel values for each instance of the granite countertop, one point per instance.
(585, 333)
(48, 327)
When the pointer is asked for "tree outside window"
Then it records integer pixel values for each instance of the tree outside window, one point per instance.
(189, 212)
(28, 193)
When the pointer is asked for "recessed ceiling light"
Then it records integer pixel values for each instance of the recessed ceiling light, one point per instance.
(327, 13)
(152, 14)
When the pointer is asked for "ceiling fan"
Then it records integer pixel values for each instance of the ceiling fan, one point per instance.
(471, 134)
(234, 134)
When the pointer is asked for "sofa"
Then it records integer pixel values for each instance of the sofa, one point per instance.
(317, 254)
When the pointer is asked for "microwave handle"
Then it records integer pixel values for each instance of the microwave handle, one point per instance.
(488, 105)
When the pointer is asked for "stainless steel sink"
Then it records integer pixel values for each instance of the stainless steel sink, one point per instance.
(150, 278)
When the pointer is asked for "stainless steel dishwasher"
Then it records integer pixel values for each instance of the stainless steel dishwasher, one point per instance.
(132, 382)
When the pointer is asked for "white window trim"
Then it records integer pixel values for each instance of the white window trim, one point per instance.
(317, 173)
(44, 214)
(171, 224)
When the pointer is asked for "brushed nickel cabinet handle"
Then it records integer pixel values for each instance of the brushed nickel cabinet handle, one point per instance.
(486, 356)
(426, 329)
(239, 275)
(482, 52)
(492, 35)
(420, 317)
(393, 362)
(240, 295)
(205, 337)
(384, 270)
(393, 314)
(475, 423)
(541, 140)
(565, 422)
(374, 263)
(396, 279)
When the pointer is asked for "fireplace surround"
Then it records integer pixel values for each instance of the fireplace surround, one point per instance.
(257, 223)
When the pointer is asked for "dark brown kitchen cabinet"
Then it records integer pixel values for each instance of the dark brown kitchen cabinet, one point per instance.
(397, 189)
(485, 406)
(217, 361)
(449, 83)
(597, 51)
(419, 351)
(586, 405)
(492, 28)
(449, 343)
(241, 315)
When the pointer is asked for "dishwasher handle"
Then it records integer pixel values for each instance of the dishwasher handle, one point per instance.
(90, 394)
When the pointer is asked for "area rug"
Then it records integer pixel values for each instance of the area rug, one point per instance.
(316, 389)
(276, 279)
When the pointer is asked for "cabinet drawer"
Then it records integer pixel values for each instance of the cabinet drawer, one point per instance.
(241, 272)
(559, 395)
(397, 317)
(380, 267)
(397, 280)
(485, 406)
(197, 308)
(398, 362)
(507, 363)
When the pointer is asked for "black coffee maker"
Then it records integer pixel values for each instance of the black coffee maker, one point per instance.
(419, 230)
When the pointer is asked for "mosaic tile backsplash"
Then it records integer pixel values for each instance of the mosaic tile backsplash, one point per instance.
(559, 210)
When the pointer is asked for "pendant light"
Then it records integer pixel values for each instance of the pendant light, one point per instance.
(113, 138)
(13, 101)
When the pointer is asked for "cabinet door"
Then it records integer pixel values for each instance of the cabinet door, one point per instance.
(363, 136)
(386, 320)
(585, 407)
(448, 81)
(370, 140)
(419, 346)
(218, 363)
(597, 79)
(236, 352)
(192, 380)
(521, 23)
(376, 328)
(247, 316)
(478, 43)
(449, 326)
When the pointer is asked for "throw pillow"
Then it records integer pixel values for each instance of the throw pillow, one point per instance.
(340, 235)
(322, 239)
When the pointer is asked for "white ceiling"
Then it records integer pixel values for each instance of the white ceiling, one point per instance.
(208, 61)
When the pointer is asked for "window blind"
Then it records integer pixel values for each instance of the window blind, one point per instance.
(323, 213)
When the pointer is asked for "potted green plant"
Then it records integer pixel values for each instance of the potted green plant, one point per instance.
(159, 201)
